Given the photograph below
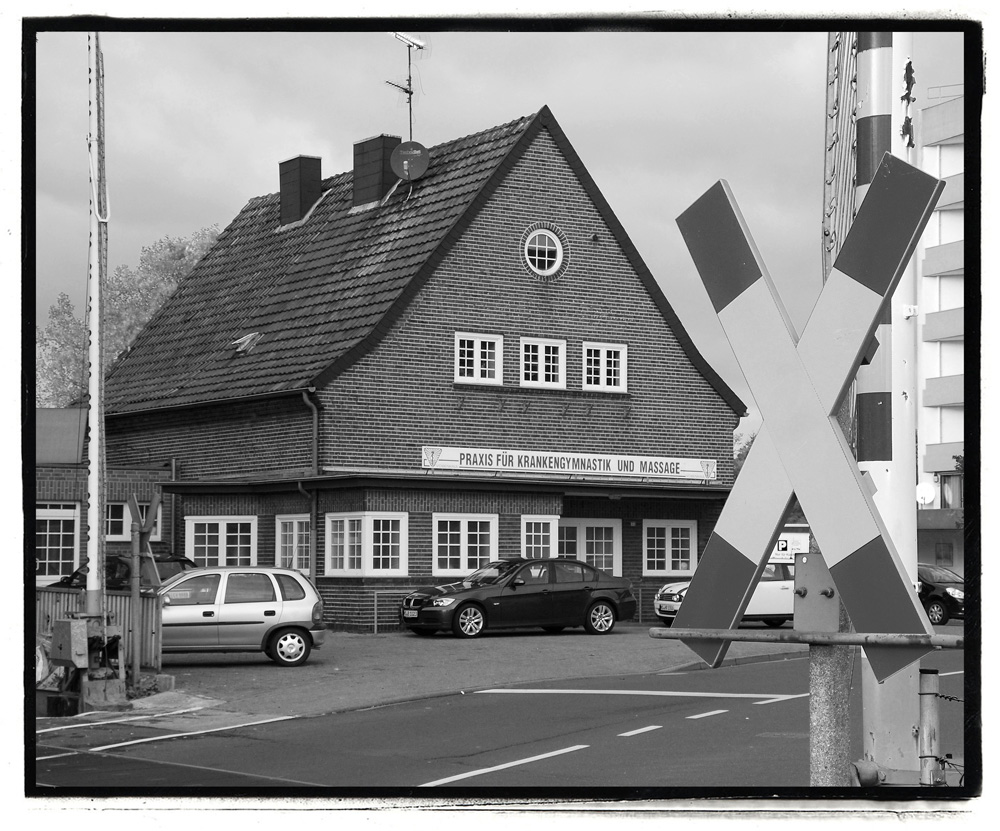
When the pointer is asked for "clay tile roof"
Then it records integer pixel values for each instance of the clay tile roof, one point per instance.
(317, 294)
(313, 291)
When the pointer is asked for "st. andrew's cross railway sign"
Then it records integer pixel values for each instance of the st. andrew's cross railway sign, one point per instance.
(798, 383)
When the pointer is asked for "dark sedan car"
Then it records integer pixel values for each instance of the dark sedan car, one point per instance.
(942, 593)
(519, 592)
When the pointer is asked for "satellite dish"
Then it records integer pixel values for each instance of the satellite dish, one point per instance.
(409, 160)
(925, 493)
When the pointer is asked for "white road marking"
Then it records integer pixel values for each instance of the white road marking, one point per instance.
(642, 730)
(192, 733)
(709, 713)
(669, 693)
(56, 756)
(956, 672)
(146, 717)
(778, 698)
(504, 766)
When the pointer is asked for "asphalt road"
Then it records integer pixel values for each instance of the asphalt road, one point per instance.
(738, 727)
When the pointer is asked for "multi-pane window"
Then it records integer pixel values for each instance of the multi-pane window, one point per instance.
(57, 534)
(594, 541)
(951, 490)
(293, 542)
(463, 542)
(344, 544)
(669, 546)
(114, 521)
(367, 543)
(543, 252)
(221, 541)
(605, 367)
(385, 544)
(478, 358)
(538, 535)
(543, 363)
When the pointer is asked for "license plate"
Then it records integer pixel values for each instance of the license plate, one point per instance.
(410, 612)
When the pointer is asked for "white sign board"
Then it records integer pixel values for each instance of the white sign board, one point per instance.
(541, 461)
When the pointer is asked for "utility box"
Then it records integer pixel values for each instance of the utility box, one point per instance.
(69, 644)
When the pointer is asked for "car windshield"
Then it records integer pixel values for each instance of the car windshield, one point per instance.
(938, 574)
(492, 573)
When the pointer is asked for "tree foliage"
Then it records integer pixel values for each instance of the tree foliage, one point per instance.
(130, 297)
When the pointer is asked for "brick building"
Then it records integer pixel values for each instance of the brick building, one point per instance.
(61, 498)
(386, 383)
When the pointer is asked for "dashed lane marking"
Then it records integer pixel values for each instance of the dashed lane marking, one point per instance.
(642, 730)
(709, 713)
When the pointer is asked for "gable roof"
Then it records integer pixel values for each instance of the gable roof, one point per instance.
(322, 292)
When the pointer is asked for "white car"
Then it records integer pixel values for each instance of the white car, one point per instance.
(773, 602)
(276, 611)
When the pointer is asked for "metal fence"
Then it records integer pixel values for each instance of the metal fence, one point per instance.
(52, 604)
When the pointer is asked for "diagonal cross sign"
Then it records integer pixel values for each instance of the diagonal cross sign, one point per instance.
(798, 384)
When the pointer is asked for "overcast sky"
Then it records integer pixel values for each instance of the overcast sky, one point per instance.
(197, 123)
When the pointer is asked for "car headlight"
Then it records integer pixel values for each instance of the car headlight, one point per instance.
(442, 601)
(958, 594)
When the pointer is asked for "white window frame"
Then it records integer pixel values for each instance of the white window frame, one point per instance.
(466, 567)
(60, 511)
(298, 532)
(604, 348)
(669, 524)
(367, 521)
(542, 343)
(553, 521)
(126, 535)
(556, 243)
(581, 526)
(478, 377)
(222, 520)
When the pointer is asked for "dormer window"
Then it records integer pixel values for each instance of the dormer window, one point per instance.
(247, 342)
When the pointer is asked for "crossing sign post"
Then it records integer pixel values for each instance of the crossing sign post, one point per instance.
(798, 383)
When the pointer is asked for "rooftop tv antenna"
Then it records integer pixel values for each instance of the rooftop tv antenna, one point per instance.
(411, 44)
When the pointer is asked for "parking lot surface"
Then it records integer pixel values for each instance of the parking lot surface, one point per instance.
(354, 671)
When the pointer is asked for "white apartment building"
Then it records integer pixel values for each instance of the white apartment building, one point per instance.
(940, 258)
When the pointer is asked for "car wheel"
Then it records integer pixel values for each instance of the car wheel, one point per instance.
(288, 647)
(600, 618)
(469, 621)
(553, 630)
(936, 612)
(774, 621)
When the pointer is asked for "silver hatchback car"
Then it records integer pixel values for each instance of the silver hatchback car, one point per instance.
(276, 611)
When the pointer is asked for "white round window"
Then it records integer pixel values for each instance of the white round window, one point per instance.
(543, 252)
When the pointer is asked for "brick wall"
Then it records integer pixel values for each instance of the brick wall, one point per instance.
(402, 395)
(68, 483)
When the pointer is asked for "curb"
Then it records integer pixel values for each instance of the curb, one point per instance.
(746, 659)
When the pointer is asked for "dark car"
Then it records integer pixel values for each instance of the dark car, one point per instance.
(518, 592)
(942, 593)
(153, 571)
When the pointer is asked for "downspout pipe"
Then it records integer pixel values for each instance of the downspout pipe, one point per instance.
(314, 496)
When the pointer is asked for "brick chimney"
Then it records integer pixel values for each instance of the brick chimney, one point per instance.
(300, 186)
(373, 175)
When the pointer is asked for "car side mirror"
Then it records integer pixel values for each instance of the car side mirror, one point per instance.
(166, 600)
